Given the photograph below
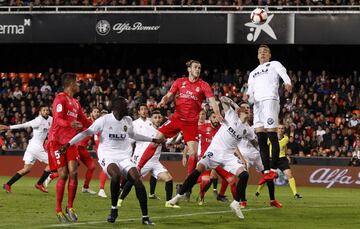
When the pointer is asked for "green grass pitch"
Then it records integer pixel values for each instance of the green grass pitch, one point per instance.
(26, 207)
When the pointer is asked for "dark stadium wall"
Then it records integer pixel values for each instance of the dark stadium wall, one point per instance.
(89, 58)
(305, 175)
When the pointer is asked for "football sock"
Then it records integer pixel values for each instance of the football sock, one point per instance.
(141, 195)
(292, 184)
(275, 149)
(242, 183)
(153, 182)
(191, 164)
(102, 179)
(271, 188)
(148, 153)
(214, 183)
(72, 187)
(224, 185)
(233, 190)
(13, 179)
(115, 189)
(89, 173)
(126, 190)
(169, 190)
(43, 177)
(264, 150)
(190, 182)
(204, 186)
(54, 175)
(60, 188)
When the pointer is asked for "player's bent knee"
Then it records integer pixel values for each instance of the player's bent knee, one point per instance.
(200, 167)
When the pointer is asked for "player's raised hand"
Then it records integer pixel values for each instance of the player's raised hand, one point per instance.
(4, 127)
(288, 87)
(63, 148)
(76, 124)
(220, 118)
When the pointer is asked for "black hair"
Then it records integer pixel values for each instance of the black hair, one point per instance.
(190, 62)
(140, 105)
(156, 111)
(67, 79)
(118, 103)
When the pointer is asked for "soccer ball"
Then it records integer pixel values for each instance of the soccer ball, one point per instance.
(258, 16)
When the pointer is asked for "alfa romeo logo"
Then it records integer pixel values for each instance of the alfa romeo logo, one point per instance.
(103, 27)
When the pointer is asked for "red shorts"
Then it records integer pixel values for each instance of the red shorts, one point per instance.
(84, 155)
(174, 125)
(57, 160)
(204, 174)
(223, 173)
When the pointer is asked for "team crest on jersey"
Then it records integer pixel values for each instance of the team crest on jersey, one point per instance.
(183, 84)
(208, 130)
(59, 107)
(197, 89)
(125, 128)
(244, 132)
(270, 121)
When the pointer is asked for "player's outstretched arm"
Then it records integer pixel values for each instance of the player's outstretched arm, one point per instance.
(165, 99)
(216, 109)
(227, 103)
(4, 127)
(241, 157)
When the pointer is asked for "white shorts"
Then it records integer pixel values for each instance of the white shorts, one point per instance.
(124, 165)
(227, 161)
(254, 159)
(35, 152)
(153, 165)
(266, 114)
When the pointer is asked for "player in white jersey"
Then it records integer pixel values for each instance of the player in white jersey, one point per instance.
(252, 157)
(263, 86)
(35, 149)
(139, 126)
(114, 153)
(221, 151)
(153, 166)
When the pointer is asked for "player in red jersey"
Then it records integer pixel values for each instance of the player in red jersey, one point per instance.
(85, 156)
(68, 120)
(191, 91)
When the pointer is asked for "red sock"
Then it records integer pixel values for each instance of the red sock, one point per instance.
(204, 186)
(147, 155)
(54, 175)
(191, 164)
(89, 173)
(102, 179)
(233, 190)
(72, 186)
(60, 188)
(224, 185)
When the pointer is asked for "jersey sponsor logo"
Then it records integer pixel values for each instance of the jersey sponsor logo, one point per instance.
(270, 121)
(59, 108)
(233, 133)
(72, 114)
(117, 137)
(188, 95)
(261, 72)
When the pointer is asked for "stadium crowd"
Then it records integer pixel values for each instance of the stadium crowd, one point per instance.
(321, 115)
(179, 2)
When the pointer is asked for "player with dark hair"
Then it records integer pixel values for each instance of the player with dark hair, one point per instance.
(35, 150)
(85, 157)
(221, 151)
(140, 125)
(157, 170)
(68, 119)
(263, 85)
(114, 153)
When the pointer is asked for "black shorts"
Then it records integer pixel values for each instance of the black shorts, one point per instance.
(283, 164)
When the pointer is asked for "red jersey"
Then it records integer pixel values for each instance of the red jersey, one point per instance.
(85, 141)
(65, 110)
(206, 133)
(190, 96)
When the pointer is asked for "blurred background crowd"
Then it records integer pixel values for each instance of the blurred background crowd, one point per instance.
(321, 115)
